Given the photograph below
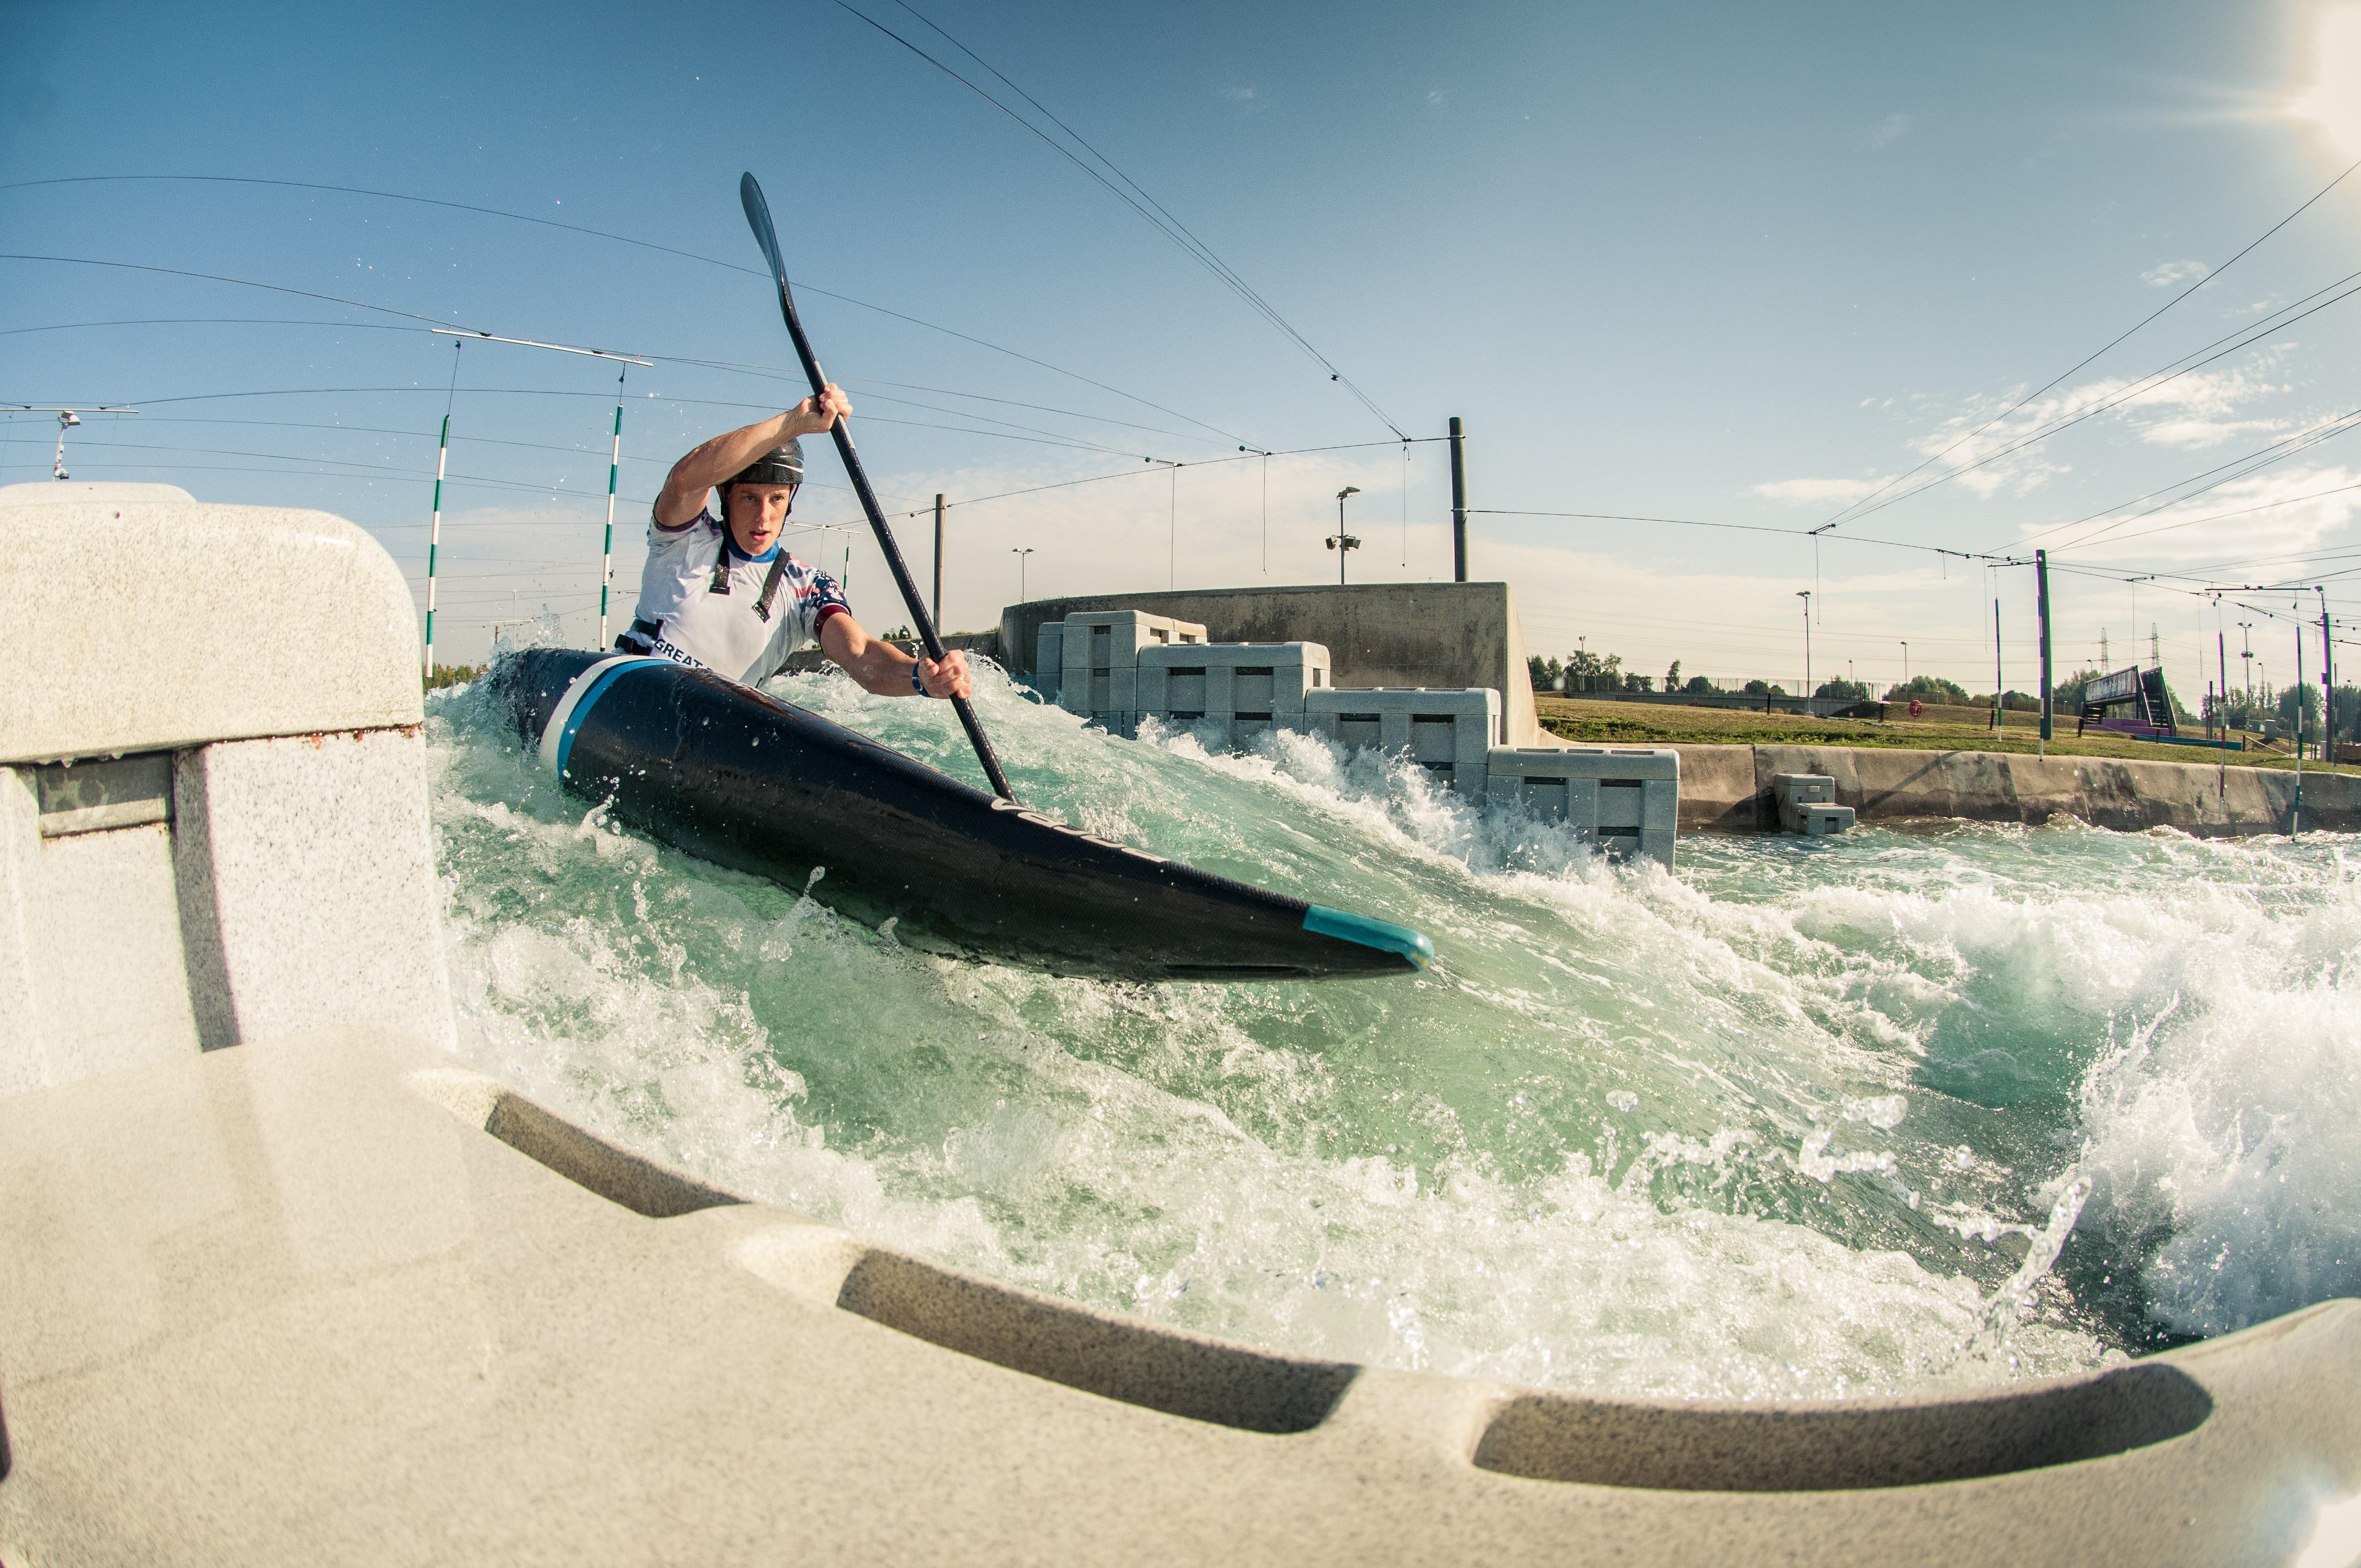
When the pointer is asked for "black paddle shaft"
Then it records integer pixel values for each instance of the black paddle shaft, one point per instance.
(758, 216)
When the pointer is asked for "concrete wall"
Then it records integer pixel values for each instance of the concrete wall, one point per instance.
(1377, 634)
(212, 786)
(322, 1297)
(1729, 788)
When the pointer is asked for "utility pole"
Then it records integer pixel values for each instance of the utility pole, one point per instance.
(67, 419)
(1020, 553)
(1806, 595)
(1458, 504)
(2041, 601)
(939, 561)
(2000, 686)
(2221, 659)
(2327, 686)
(1905, 662)
(1340, 540)
(2246, 656)
(2295, 816)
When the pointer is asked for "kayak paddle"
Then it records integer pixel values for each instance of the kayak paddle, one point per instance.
(758, 216)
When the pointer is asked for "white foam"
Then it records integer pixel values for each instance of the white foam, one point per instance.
(1701, 1134)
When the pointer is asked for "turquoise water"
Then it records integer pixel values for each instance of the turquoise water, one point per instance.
(1815, 1118)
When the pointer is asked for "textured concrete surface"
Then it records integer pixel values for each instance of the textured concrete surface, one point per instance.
(1729, 788)
(183, 623)
(1806, 804)
(1377, 634)
(318, 1300)
(306, 884)
(236, 843)
(1448, 732)
(1626, 798)
(1230, 692)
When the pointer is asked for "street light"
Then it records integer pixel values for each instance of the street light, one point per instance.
(1905, 662)
(1020, 553)
(1341, 541)
(1806, 595)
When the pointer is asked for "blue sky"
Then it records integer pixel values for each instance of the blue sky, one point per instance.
(1732, 264)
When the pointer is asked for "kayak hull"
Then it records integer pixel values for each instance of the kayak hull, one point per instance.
(738, 777)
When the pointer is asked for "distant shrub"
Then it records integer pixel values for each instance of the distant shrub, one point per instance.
(453, 676)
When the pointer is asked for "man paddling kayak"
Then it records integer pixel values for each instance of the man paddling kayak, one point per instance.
(720, 593)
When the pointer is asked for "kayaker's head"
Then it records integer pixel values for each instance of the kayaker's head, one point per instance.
(756, 500)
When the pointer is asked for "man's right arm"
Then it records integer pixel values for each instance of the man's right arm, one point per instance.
(682, 495)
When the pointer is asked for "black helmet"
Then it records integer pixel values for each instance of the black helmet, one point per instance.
(783, 465)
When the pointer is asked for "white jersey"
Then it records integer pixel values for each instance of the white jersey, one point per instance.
(728, 633)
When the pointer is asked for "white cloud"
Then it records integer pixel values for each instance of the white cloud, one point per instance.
(1887, 132)
(2185, 411)
(1810, 492)
(1241, 92)
(2197, 434)
(1435, 98)
(2171, 274)
(2267, 515)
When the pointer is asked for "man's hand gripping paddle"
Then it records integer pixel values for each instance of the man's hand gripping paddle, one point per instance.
(758, 216)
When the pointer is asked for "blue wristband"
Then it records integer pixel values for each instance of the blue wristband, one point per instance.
(916, 683)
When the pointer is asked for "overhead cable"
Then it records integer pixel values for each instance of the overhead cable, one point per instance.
(1856, 506)
(1159, 219)
(642, 244)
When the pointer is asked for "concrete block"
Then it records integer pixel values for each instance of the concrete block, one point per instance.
(1048, 657)
(1230, 692)
(1808, 804)
(1099, 657)
(207, 837)
(307, 888)
(269, 621)
(1377, 635)
(1446, 731)
(1626, 799)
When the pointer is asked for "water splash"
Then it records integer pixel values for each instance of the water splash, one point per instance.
(1775, 1125)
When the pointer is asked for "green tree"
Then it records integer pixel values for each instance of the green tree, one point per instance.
(1931, 688)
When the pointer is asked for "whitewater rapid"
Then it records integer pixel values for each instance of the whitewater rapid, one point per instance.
(1804, 1118)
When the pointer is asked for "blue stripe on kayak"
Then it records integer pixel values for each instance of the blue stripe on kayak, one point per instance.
(582, 711)
(1381, 935)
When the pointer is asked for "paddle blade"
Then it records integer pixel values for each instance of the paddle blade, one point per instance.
(758, 218)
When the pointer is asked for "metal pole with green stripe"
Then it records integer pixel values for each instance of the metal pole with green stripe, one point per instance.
(434, 529)
(606, 550)
(434, 540)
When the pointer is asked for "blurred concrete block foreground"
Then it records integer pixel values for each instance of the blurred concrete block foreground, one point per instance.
(281, 1282)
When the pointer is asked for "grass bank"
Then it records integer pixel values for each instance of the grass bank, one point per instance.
(1658, 724)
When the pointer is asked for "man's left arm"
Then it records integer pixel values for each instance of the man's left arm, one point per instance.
(884, 669)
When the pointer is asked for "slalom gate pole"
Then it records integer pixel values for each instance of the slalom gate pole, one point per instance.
(606, 550)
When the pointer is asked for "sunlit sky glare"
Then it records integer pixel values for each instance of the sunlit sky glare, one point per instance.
(1742, 264)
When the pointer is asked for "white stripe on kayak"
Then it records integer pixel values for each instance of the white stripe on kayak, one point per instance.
(555, 729)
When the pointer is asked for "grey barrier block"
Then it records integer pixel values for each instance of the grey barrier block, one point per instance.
(1241, 688)
(1807, 804)
(1625, 799)
(1447, 730)
(1099, 657)
(1049, 656)
(207, 840)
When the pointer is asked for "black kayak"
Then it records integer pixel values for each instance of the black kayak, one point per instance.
(740, 778)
